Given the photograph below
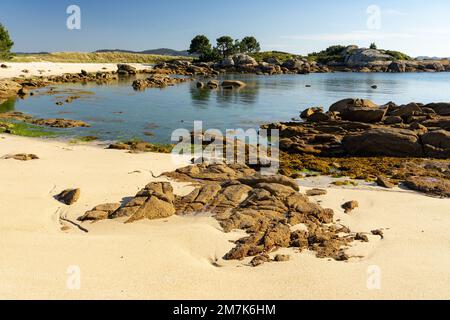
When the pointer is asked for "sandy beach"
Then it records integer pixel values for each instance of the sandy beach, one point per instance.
(16, 69)
(173, 258)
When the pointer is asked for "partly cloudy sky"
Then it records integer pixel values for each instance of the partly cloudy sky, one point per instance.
(417, 27)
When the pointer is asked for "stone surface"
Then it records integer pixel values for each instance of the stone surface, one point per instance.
(69, 196)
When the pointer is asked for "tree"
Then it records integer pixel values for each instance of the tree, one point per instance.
(200, 45)
(249, 45)
(5, 43)
(373, 46)
(226, 46)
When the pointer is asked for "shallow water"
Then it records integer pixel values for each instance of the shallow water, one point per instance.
(117, 112)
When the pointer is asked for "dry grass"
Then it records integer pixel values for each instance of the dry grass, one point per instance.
(100, 57)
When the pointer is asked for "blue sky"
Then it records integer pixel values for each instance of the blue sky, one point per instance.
(417, 27)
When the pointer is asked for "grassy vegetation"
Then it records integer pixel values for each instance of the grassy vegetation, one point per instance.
(398, 55)
(333, 53)
(97, 57)
(25, 129)
(281, 56)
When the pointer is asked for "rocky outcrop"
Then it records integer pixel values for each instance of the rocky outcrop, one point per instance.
(158, 81)
(358, 127)
(389, 142)
(155, 201)
(362, 57)
(266, 207)
(54, 123)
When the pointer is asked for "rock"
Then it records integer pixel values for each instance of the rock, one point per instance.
(259, 260)
(319, 117)
(155, 201)
(200, 85)
(282, 258)
(397, 67)
(362, 57)
(69, 196)
(310, 111)
(408, 110)
(9, 88)
(378, 232)
(293, 64)
(3, 66)
(361, 237)
(22, 157)
(59, 123)
(126, 69)
(316, 192)
(100, 212)
(430, 185)
(350, 206)
(228, 62)
(437, 144)
(374, 86)
(346, 105)
(244, 61)
(384, 182)
(157, 81)
(442, 109)
(392, 120)
(84, 73)
(389, 142)
(233, 84)
(364, 114)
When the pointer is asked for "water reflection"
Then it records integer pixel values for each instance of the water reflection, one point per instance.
(201, 97)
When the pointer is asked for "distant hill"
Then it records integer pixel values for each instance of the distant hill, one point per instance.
(161, 51)
(421, 58)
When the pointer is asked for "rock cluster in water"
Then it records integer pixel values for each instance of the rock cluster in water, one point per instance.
(360, 127)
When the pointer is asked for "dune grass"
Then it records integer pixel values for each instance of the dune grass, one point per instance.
(94, 57)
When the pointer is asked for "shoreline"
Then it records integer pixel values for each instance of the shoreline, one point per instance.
(148, 259)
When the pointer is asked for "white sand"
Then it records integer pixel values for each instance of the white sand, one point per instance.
(173, 258)
(15, 69)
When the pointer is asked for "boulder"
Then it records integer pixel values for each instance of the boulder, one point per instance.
(126, 69)
(244, 61)
(408, 110)
(293, 64)
(392, 120)
(155, 201)
(228, 62)
(310, 111)
(350, 206)
(389, 142)
(384, 182)
(437, 144)
(319, 117)
(364, 114)
(397, 67)
(69, 196)
(441, 108)
(345, 105)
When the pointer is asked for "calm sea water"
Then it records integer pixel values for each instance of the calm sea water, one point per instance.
(117, 112)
